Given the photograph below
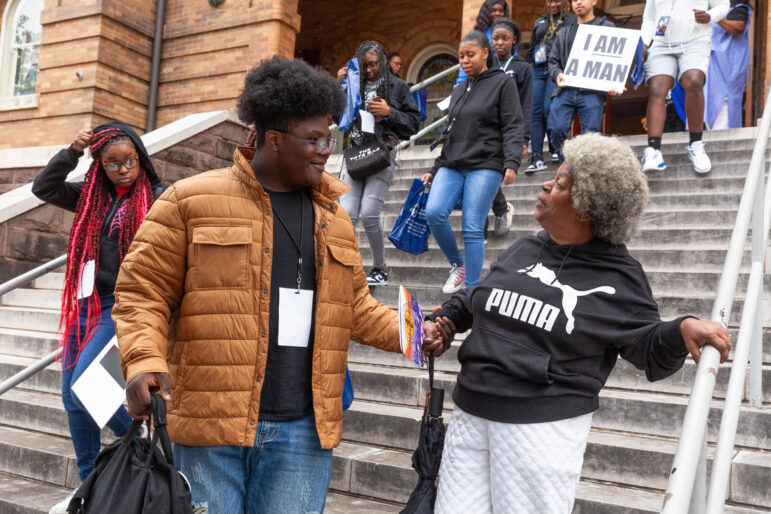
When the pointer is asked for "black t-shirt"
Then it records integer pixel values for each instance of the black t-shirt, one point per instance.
(739, 13)
(286, 393)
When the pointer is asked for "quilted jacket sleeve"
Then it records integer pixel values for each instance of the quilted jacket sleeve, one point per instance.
(374, 324)
(150, 287)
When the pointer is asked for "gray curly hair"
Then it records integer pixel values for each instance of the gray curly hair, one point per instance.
(608, 185)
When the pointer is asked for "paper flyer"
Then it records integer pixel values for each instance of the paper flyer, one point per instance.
(101, 388)
(411, 328)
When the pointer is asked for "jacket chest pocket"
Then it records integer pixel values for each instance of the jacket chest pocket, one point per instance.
(342, 262)
(221, 257)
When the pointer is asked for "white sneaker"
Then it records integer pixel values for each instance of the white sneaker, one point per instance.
(653, 160)
(502, 223)
(555, 157)
(699, 157)
(61, 507)
(456, 280)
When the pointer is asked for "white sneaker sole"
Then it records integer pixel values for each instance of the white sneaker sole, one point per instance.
(453, 290)
(654, 170)
(702, 171)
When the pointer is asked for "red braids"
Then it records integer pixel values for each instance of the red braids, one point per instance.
(83, 244)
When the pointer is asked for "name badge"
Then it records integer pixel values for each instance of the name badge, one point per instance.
(295, 313)
(539, 56)
(87, 277)
(661, 26)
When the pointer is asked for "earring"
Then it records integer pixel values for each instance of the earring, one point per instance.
(275, 148)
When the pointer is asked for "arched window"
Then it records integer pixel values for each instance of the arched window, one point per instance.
(20, 45)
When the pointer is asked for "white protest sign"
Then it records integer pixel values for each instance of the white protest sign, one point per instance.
(101, 388)
(601, 58)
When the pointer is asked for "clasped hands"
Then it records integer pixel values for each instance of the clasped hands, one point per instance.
(438, 336)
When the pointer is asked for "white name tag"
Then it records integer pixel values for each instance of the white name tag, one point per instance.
(87, 276)
(295, 313)
(444, 104)
(367, 122)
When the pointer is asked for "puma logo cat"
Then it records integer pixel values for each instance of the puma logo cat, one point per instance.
(569, 294)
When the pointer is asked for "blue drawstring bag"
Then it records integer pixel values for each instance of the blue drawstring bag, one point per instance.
(421, 97)
(410, 232)
(347, 390)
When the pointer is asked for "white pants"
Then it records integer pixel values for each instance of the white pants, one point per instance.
(489, 466)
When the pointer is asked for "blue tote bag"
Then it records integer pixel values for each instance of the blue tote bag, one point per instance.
(410, 232)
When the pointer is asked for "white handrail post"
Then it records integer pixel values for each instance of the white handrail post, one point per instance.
(699, 492)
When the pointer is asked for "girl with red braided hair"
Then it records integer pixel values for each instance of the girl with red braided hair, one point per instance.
(119, 187)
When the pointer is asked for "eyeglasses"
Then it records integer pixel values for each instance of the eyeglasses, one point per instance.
(322, 143)
(115, 167)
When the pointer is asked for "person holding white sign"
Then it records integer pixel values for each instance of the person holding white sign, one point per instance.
(388, 113)
(676, 35)
(569, 101)
(109, 205)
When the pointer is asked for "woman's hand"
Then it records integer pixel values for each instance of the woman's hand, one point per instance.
(698, 333)
(427, 179)
(561, 80)
(341, 73)
(82, 140)
(379, 108)
(509, 177)
(613, 92)
(438, 336)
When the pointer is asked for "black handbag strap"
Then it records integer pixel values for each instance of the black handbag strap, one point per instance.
(159, 422)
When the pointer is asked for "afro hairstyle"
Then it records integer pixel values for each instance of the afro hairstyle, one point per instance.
(279, 92)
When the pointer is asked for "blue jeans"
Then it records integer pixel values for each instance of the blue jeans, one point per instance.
(285, 471)
(478, 188)
(587, 104)
(85, 433)
(543, 87)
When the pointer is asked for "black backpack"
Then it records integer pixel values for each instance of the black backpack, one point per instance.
(133, 476)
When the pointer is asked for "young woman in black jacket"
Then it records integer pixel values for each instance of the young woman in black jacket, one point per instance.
(119, 187)
(482, 149)
(388, 99)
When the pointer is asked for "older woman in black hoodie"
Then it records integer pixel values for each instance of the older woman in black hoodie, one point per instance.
(547, 326)
(482, 148)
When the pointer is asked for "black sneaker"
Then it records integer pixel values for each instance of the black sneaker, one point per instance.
(486, 233)
(377, 277)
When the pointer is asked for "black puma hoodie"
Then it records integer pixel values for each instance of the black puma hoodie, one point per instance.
(547, 325)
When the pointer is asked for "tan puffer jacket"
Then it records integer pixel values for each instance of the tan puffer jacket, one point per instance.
(193, 294)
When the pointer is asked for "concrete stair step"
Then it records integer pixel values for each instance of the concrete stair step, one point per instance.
(24, 496)
(633, 412)
(37, 456)
(39, 412)
(53, 280)
(38, 298)
(27, 343)
(48, 380)
(26, 318)
(385, 473)
(338, 503)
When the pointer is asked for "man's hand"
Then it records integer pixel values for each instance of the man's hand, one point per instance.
(698, 333)
(561, 80)
(438, 336)
(427, 179)
(379, 108)
(701, 16)
(139, 389)
(524, 152)
(82, 140)
(341, 73)
(509, 177)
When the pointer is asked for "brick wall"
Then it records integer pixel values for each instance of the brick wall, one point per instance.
(207, 51)
(41, 234)
(402, 26)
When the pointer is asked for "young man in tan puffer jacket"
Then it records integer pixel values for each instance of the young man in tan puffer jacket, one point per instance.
(238, 299)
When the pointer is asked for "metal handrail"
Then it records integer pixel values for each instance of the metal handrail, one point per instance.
(684, 493)
(29, 371)
(41, 270)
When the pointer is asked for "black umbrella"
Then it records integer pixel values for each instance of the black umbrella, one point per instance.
(428, 454)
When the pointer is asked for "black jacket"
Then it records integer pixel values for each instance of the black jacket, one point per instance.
(404, 120)
(522, 73)
(51, 186)
(541, 30)
(560, 51)
(488, 129)
(547, 326)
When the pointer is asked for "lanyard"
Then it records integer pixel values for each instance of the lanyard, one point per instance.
(507, 62)
(294, 241)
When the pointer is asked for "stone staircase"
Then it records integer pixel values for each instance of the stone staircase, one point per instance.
(681, 244)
